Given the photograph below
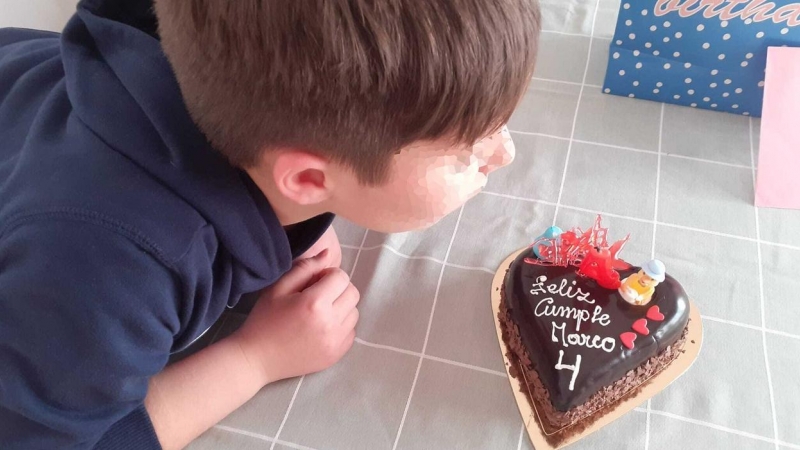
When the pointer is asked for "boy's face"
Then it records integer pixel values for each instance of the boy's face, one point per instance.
(428, 181)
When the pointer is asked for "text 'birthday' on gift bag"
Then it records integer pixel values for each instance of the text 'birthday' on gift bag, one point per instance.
(701, 53)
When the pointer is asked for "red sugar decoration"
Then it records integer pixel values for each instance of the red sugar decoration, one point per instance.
(627, 339)
(654, 313)
(640, 326)
(588, 250)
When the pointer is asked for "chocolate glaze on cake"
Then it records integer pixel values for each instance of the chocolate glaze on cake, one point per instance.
(540, 334)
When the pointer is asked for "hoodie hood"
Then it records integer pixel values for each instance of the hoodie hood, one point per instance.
(115, 69)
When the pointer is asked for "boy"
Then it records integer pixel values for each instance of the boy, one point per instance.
(158, 161)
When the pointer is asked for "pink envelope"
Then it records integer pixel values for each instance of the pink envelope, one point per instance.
(778, 183)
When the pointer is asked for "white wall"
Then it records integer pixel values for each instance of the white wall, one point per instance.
(38, 14)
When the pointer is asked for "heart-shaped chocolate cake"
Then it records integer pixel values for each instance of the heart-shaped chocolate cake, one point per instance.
(586, 330)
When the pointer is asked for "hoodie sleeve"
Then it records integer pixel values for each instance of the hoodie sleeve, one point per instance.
(87, 315)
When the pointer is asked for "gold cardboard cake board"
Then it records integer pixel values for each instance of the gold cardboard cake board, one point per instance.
(679, 366)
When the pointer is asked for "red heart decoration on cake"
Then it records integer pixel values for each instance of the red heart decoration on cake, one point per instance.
(655, 314)
(627, 339)
(640, 326)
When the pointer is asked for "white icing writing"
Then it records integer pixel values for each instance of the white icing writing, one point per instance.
(552, 288)
(756, 10)
(583, 340)
(603, 320)
(545, 307)
(574, 368)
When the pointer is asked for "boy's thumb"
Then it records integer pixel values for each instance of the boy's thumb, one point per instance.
(301, 275)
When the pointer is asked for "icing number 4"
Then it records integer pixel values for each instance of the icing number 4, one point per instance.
(574, 368)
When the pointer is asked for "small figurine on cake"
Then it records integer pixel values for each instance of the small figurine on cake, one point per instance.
(639, 288)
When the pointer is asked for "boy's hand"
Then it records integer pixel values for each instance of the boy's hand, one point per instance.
(304, 323)
(329, 241)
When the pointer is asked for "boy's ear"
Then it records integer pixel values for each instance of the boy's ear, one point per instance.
(302, 177)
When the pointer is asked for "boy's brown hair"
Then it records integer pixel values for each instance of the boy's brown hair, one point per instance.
(352, 80)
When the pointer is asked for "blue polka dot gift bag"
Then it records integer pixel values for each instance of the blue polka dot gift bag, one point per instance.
(707, 54)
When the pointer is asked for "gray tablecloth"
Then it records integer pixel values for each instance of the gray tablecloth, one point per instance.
(426, 372)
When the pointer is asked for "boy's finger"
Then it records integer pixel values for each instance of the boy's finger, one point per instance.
(347, 301)
(350, 321)
(302, 274)
(331, 284)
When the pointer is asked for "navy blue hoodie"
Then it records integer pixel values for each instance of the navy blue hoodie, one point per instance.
(123, 234)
